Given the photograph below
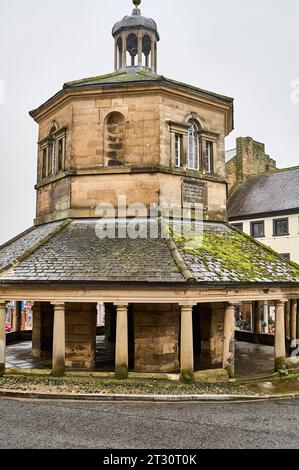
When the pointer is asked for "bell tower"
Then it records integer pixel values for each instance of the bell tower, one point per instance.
(136, 39)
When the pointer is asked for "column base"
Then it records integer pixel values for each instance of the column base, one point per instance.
(121, 372)
(187, 376)
(280, 364)
(58, 372)
(231, 371)
(2, 369)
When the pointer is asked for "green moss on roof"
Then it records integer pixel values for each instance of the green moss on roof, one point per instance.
(125, 76)
(233, 256)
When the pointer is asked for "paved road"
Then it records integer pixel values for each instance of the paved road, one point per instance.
(40, 424)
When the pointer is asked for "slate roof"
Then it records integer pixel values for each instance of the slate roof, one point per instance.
(272, 192)
(74, 253)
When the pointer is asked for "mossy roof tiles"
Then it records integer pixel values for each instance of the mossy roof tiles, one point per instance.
(74, 253)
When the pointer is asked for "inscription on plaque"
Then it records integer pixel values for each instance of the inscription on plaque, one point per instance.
(193, 192)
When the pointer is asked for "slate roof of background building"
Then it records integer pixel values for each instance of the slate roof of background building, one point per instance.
(74, 253)
(267, 193)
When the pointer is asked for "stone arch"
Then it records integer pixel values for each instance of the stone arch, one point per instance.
(132, 46)
(53, 128)
(146, 48)
(114, 138)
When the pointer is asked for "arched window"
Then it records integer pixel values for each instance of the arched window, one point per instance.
(146, 48)
(114, 139)
(193, 146)
(132, 47)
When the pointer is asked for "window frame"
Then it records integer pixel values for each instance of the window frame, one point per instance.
(193, 136)
(283, 219)
(178, 147)
(238, 225)
(209, 157)
(252, 224)
(286, 256)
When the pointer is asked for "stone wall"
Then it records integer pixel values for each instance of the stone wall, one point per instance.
(156, 331)
(147, 150)
(42, 331)
(212, 333)
(81, 321)
(250, 159)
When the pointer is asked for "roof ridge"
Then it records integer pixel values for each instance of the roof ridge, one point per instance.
(179, 260)
(17, 237)
(35, 246)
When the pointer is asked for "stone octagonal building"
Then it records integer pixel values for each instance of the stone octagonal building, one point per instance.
(138, 137)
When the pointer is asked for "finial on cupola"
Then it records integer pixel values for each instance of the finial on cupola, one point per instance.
(136, 10)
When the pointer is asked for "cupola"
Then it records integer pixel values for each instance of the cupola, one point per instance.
(136, 39)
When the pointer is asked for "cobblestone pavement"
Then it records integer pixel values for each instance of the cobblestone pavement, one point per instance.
(38, 424)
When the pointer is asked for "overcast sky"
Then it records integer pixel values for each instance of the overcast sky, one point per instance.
(247, 49)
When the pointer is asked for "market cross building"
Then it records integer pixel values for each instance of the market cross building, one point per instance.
(169, 302)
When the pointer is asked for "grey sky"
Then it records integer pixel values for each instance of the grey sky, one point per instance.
(247, 49)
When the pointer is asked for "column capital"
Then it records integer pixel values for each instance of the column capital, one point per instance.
(187, 304)
(58, 305)
(281, 301)
(232, 304)
(120, 305)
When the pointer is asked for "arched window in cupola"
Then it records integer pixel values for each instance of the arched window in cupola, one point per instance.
(132, 47)
(115, 139)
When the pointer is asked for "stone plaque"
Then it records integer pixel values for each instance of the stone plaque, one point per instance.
(193, 192)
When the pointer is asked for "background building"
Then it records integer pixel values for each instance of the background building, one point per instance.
(263, 200)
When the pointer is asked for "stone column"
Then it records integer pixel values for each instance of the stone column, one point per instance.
(266, 315)
(139, 48)
(58, 359)
(294, 321)
(124, 39)
(187, 355)
(156, 58)
(229, 340)
(280, 345)
(121, 347)
(115, 54)
(258, 317)
(18, 318)
(2, 337)
(153, 59)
